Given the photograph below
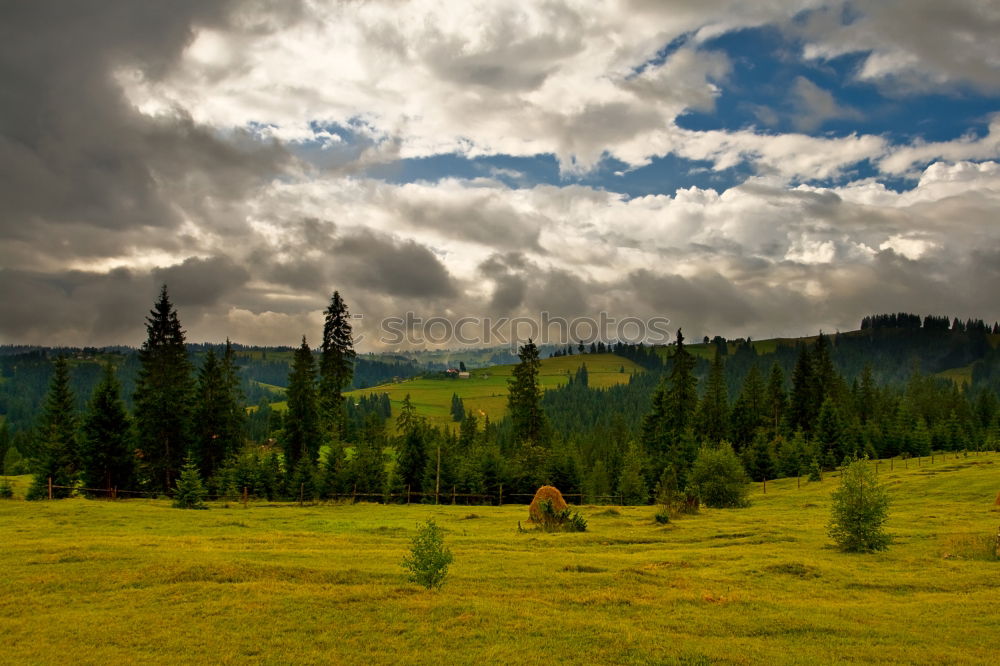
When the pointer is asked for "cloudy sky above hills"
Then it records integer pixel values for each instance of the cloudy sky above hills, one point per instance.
(740, 168)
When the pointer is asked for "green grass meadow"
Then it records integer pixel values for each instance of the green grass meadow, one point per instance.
(92, 581)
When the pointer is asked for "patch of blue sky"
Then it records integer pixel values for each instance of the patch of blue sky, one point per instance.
(761, 93)
(663, 175)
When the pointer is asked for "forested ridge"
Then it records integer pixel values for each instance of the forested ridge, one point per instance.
(127, 419)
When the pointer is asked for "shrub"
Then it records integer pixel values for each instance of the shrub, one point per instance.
(190, 492)
(662, 517)
(554, 520)
(6, 490)
(860, 509)
(545, 493)
(429, 559)
(719, 478)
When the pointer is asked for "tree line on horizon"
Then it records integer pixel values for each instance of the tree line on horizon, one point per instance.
(790, 412)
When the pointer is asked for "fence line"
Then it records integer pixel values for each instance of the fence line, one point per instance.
(482, 498)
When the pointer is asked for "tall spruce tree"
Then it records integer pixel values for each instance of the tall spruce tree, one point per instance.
(106, 449)
(56, 454)
(302, 425)
(749, 412)
(775, 400)
(163, 396)
(219, 413)
(713, 410)
(674, 402)
(457, 408)
(524, 398)
(801, 408)
(336, 366)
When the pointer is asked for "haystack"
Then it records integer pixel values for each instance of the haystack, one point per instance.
(546, 493)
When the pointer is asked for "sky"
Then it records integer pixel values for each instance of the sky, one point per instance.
(740, 168)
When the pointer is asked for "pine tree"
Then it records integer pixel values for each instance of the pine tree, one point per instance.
(457, 408)
(632, 486)
(190, 493)
(408, 420)
(106, 453)
(713, 410)
(218, 413)
(411, 457)
(775, 401)
(749, 412)
(163, 395)
(57, 456)
(302, 427)
(366, 471)
(800, 408)
(597, 487)
(830, 432)
(524, 398)
(302, 484)
(673, 407)
(336, 367)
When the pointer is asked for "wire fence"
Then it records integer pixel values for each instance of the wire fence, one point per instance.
(472, 499)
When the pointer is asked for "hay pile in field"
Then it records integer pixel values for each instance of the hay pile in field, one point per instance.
(546, 493)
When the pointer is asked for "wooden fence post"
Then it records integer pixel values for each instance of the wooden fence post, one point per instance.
(500, 498)
(453, 494)
(765, 484)
(50, 487)
(407, 494)
(302, 492)
(246, 497)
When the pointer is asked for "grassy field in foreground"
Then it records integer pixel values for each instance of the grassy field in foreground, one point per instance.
(485, 392)
(102, 582)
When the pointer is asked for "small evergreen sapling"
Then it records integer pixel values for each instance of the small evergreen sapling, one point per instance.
(190, 491)
(429, 559)
(815, 473)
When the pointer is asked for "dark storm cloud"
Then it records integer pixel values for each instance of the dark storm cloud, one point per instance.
(74, 306)
(399, 267)
(74, 152)
(202, 282)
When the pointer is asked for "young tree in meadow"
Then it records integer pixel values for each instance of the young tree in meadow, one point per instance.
(56, 454)
(302, 425)
(106, 449)
(163, 395)
(718, 477)
(336, 366)
(860, 509)
(219, 413)
(524, 398)
(190, 493)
